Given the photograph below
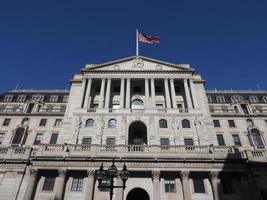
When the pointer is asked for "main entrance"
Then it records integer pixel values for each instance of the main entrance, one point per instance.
(137, 133)
(137, 194)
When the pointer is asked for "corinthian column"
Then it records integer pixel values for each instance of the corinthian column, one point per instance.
(167, 93)
(147, 93)
(87, 94)
(32, 177)
(60, 185)
(82, 92)
(108, 94)
(214, 184)
(173, 94)
(185, 183)
(153, 93)
(128, 93)
(156, 185)
(89, 185)
(187, 94)
(122, 94)
(102, 91)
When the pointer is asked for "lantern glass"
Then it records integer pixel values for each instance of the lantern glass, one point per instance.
(112, 170)
(124, 173)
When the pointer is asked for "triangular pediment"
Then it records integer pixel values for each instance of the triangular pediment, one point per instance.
(135, 63)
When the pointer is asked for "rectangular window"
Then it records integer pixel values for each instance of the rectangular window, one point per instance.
(49, 183)
(216, 123)
(227, 186)
(6, 122)
(43, 122)
(231, 123)
(169, 185)
(58, 122)
(2, 135)
(54, 138)
(236, 140)
(38, 138)
(104, 186)
(110, 141)
(188, 141)
(244, 108)
(199, 186)
(86, 140)
(164, 141)
(77, 184)
(220, 140)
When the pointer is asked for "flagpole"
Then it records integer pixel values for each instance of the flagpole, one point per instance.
(137, 43)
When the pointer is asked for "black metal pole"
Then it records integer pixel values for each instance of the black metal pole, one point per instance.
(111, 187)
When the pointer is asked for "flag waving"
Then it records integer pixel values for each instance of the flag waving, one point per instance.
(148, 39)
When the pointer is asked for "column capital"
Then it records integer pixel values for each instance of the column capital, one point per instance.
(33, 172)
(184, 174)
(213, 175)
(62, 172)
(155, 174)
(90, 173)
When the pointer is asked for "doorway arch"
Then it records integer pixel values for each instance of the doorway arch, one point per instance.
(137, 194)
(137, 133)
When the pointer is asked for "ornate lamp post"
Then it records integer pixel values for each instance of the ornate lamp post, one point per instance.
(112, 172)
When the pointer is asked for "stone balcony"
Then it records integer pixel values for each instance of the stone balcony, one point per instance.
(15, 153)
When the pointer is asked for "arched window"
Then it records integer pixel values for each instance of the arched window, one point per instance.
(137, 104)
(185, 123)
(89, 123)
(264, 98)
(236, 98)
(256, 138)
(112, 123)
(25, 121)
(220, 99)
(249, 122)
(163, 123)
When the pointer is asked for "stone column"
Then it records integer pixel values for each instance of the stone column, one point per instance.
(187, 95)
(167, 94)
(173, 94)
(29, 194)
(153, 96)
(107, 99)
(128, 93)
(119, 191)
(147, 93)
(185, 183)
(87, 94)
(193, 92)
(156, 185)
(215, 184)
(122, 93)
(82, 92)
(102, 91)
(60, 185)
(89, 185)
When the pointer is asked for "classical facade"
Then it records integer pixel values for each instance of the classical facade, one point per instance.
(179, 141)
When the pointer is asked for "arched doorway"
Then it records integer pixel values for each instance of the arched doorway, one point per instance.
(137, 194)
(137, 133)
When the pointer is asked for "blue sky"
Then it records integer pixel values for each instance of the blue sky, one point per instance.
(43, 43)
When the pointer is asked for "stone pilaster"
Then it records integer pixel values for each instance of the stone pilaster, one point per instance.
(102, 91)
(107, 99)
(193, 92)
(32, 177)
(60, 184)
(167, 94)
(173, 94)
(128, 94)
(214, 179)
(156, 185)
(187, 94)
(153, 98)
(185, 183)
(89, 185)
(122, 94)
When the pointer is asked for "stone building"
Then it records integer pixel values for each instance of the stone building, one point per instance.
(179, 141)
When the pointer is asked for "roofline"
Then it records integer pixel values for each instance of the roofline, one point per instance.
(38, 91)
(236, 91)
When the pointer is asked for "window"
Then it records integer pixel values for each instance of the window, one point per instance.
(116, 89)
(65, 98)
(253, 99)
(231, 123)
(38, 138)
(77, 184)
(162, 123)
(8, 98)
(89, 123)
(18, 136)
(21, 98)
(216, 123)
(220, 140)
(112, 123)
(188, 142)
(185, 123)
(256, 138)
(137, 89)
(2, 135)
(244, 108)
(87, 140)
(53, 139)
(236, 98)
(38, 98)
(169, 185)
(164, 141)
(220, 99)
(249, 122)
(49, 183)
(137, 104)
(53, 98)
(236, 140)
(43, 122)
(30, 108)
(264, 99)
(104, 186)
(227, 185)
(110, 141)
(199, 186)
(6, 122)
(25, 121)
(58, 122)
(159, 106)
(209, 99)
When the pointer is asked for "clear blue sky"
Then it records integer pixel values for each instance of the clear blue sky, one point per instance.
(43, 43)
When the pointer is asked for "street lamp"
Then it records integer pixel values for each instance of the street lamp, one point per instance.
(112, 172)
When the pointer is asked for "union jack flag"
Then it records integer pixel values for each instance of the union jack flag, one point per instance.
(148, 39)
